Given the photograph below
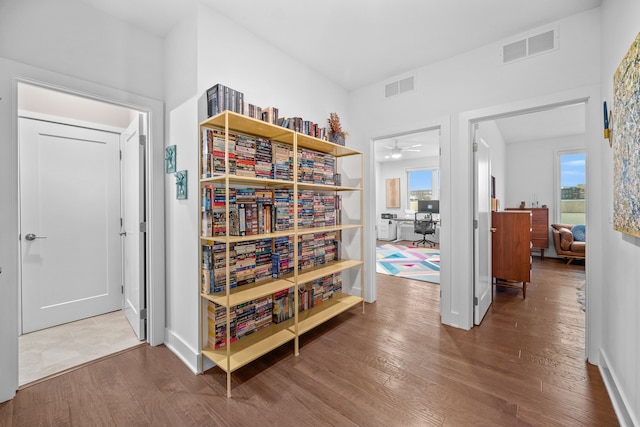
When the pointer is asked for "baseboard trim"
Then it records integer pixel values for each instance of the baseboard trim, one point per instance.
(180, 348)
(620, 403)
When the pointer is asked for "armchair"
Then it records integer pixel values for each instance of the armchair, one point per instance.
(565, 244)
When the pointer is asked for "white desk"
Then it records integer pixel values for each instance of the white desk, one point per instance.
(405, 230)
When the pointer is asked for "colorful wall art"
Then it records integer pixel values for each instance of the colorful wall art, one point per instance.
(626, 143)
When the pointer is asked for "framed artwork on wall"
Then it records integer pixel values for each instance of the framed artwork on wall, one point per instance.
(626, 143)
(392, 190)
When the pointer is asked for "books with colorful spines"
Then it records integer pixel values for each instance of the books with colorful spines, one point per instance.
(270, 115)
(283, 205)
(245, 156)
(217, 325)
(337, 283)
(282, 161)
(282, 302)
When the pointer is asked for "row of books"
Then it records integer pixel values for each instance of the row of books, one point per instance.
(263, 158)
(258, 260)
(315, 167)
(247, 156)
(252, 316)
(221, 98)
(245, 319)
(317, 291)
(258, 211)
(249, 262)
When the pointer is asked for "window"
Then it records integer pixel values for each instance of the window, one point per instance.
(572, 187)
(421, 186)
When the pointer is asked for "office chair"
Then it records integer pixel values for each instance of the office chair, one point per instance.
(425, 225)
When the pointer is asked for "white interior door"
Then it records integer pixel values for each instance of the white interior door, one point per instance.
(133, 219)
(482, 234)
(69, 223)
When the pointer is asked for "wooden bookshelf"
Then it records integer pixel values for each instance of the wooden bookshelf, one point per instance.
(226, 306)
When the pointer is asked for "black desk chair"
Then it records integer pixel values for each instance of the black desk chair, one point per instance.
(424, 224)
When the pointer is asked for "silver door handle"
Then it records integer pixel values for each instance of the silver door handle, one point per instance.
(32, 236)
(124, 233)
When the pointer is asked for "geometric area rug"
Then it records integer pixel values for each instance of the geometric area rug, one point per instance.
(409, 262)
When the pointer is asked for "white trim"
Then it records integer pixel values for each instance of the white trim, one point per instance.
(619, 400)
(443, 124)
(72, 122)
(183, 350)
(462, 236)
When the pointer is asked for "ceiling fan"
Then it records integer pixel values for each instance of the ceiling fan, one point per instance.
(396, 151)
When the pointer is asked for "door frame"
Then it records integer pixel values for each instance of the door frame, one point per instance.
(588, 96)
(443, 123)
(17, 72)
(154, 191)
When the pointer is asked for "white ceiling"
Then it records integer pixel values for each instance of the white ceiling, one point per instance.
(359, 42)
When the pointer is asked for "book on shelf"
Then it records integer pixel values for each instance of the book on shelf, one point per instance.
(221, 98)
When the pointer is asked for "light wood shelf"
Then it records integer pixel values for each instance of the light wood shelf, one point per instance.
(306, 276)
(249, 348)
(254, 345)
(309, 319)
(249, 292)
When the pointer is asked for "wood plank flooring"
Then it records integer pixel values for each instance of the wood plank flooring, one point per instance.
(396, 365)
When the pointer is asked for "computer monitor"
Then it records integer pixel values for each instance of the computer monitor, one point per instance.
(430, 206)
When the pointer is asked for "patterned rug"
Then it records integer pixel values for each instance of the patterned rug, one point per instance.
(409, 262)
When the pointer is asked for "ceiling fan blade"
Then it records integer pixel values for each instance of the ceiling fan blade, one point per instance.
(415, 145)
(415, 151)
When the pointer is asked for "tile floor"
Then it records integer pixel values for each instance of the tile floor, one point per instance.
(49, 351)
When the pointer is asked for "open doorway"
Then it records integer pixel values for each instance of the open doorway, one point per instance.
(407, 179)
(83, 263)
(529, 170)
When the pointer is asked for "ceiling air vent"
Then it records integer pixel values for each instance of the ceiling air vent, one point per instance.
(399, 86)
(529, 46)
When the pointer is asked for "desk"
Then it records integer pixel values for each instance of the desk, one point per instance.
(406, 233)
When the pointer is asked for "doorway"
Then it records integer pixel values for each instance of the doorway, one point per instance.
(524, 171)
(76, 239)
(406, 166)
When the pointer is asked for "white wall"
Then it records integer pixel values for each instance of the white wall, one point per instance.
(71, 46)
(474, 80)
(267, 77)
(621, 295)
(531, 169)
(75, 39)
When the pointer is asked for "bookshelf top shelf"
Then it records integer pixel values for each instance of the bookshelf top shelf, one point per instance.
(239, 123)
(247, 125)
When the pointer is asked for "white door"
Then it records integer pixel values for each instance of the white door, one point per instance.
(482, 235)
(69, 223)
(133, 241)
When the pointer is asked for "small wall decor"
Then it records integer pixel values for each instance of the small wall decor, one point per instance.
(181, 185)
(392, 188)
(170, 159)
(626, 143)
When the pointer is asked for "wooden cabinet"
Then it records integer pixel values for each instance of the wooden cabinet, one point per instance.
(539, 228)
(271, 237)
(511, 248)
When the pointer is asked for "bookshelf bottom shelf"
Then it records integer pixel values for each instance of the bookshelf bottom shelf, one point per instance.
(248, 349)
(311, 318)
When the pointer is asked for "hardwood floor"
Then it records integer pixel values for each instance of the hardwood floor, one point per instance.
(396, 365)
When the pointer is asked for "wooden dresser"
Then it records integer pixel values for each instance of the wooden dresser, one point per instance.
(539, 227)
(511, 249)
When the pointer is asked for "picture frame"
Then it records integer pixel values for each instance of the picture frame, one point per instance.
(392, 191)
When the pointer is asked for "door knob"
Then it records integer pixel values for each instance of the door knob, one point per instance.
(32, 236)
(492, 229)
